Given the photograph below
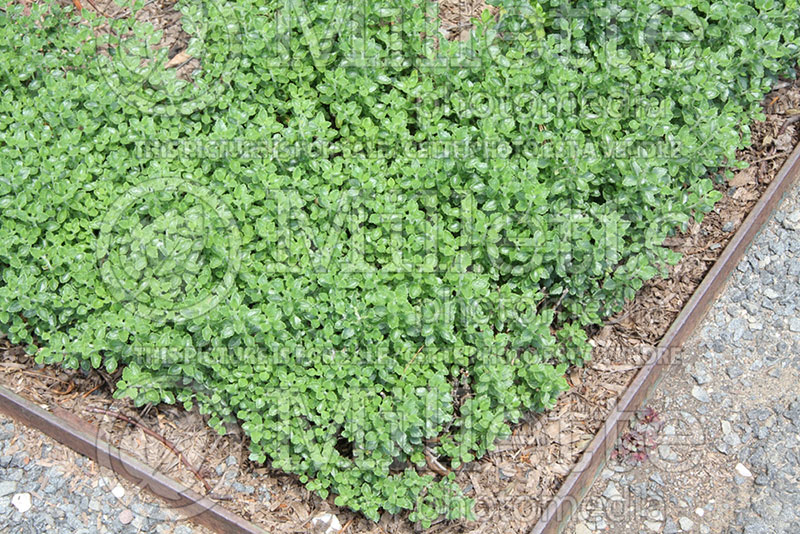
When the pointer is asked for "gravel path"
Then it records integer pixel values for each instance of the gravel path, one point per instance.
(722, 431)
(46, 487)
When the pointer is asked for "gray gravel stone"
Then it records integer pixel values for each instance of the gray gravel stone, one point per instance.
(700, 374)
(7, 487)
(700, 394)
(612, 493)
(771, 294)
(792, 221)
(670, 527)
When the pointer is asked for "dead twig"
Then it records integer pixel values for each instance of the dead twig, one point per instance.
(560, 299)
(107, 379)
(622, 317)
(773, 156)
(787, 122)
(168, 444)
(98, 386)
(97, 9)
(70, 388)
(411, 361)
(434, 464)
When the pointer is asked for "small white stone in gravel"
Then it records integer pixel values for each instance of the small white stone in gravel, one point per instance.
(612, 493)
(726, 427)
(22, 502)
(118, 491)
(794, 324)
(686, 524)
(742, 470)
(125, 516)
(704, 529)
(669, 430)
(326, 524)
(700, 512)
(700, 394)
(655, 526)
(581, 528)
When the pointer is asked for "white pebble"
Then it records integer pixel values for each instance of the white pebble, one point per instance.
(742, 470)
(118, 491)
(326, 524)
(22, 502)
(700, 512)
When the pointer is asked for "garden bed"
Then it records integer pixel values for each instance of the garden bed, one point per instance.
(513, 484)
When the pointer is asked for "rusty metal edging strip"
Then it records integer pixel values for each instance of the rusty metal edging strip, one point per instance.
(555, 517)
(198, 508)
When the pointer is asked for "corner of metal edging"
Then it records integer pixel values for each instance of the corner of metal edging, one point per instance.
(200, 510)
(556, 516)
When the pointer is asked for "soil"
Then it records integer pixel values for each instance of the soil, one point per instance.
(512, 484)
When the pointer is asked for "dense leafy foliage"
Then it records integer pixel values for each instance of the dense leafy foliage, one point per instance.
(358, 239)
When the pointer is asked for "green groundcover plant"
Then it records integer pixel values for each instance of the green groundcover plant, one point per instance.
(365, 243)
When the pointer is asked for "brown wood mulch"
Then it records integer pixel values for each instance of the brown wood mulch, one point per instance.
(511, 485)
